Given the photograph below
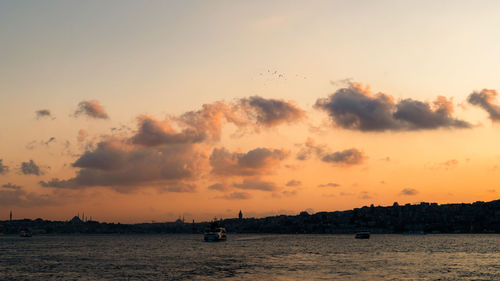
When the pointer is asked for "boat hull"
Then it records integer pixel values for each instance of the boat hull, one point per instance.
(214, 237)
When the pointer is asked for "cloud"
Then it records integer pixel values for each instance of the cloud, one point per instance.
(3, 169)
(345, 157)
(35, 144)
(22, 198)
(208, 121)
(91, 108)
(153, 132)
(180, 187)
(485, 99)
(310, 148)
(255, 184)
(82, 135)
(123, 166)
(43, 113)
(271, 112)
(355, 108)
(289, 193)
(52, 139)
(219, 187)
(236, 196)
(30, 168)
(293, 183)
(256, 161)
(365, 195)
(409, 191)
(15, 196)
(11, 186)
(450, 163)
(330, 184)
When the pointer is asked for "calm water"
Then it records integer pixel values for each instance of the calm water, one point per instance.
(250, 257)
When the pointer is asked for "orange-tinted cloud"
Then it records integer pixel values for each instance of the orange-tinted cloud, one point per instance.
(256, 184)
(293, 183)
(330, 184)
(21, 198)
(236, 196)
(153, 132)
(219, 187)
(91, 108)
(355, 108)
(254, 162)
(123, 166)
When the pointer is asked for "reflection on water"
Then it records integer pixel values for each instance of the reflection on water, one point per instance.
(251, 257)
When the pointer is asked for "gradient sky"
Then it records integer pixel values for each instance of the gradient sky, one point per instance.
(136, 111)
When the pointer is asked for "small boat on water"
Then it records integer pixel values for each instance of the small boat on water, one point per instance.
(25, 233)
(214, 233)
(362, 235)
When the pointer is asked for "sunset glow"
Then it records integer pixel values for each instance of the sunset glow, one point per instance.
(150, 111)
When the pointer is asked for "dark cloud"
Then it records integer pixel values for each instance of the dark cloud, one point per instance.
(30, 168)
(11, 186)
(409, 191)
(123, 166)
(180, 187)
(346, 157)
(293, 183)
(256, 161)
(330, 184)
(219, 187)
(52, 139)
(255, 184)
(21, 198)
(355, 108)
(91, 108)
(236, 196)
(271, 112)
(3, 169)
(43, 113)
(485, 99)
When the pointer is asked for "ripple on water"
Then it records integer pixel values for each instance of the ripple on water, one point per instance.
(251, 257)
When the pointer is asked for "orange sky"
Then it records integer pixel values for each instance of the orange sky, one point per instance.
(138, 113)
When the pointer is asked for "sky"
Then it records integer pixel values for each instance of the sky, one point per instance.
(137, 111)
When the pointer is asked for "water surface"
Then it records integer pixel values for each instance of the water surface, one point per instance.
(250, 257)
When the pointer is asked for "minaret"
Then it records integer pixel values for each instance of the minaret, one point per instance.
(240, 215)
(10, 215)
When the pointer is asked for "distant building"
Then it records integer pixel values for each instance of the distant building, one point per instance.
(10, 215)
(240, 215)
(76, 220)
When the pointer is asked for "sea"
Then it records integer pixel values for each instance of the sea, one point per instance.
(251, 257)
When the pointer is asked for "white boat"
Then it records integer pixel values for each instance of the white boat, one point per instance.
(214, 233)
